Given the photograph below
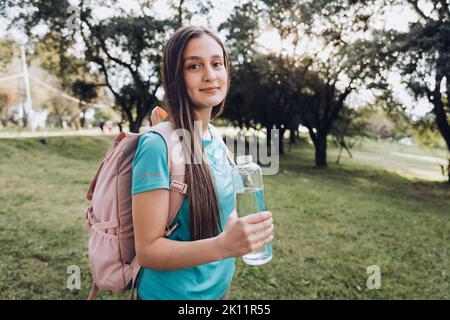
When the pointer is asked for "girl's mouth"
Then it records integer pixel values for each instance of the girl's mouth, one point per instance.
(210, 90)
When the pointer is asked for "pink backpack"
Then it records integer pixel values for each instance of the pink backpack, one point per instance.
(111, 249)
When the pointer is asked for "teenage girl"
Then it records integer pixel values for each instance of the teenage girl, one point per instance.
(197, 260)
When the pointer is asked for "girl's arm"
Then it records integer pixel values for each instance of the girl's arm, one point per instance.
(154, 251)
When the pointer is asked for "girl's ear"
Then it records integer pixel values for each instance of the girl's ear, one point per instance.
(158, 115)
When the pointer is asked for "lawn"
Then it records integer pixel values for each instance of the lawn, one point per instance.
(385, 207)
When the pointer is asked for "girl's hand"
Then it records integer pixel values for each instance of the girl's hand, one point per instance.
(246, 234)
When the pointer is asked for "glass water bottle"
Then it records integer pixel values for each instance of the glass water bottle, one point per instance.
(249, 196)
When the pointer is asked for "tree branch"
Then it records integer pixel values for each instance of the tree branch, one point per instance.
(444, 10)
(101, 63)
(338, 106)
(114, 59)
(439, 112)
(415, 5)
(310, 131)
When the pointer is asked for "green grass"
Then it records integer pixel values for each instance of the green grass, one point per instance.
(331, 224)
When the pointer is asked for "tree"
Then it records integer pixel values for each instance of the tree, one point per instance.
(6, 52)
(5, 101)
(126, 48)
(352, 59)
(86, 92)
(131, 46)
(266, 86)
(6, 96)
(347, 129)
(292, 87)
(423, 57)
(242, 28)
(271, 101)
(61, 110)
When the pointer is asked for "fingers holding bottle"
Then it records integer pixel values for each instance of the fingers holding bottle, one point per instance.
(247, 234)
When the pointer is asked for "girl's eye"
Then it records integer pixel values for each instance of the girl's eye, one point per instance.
(196, 66)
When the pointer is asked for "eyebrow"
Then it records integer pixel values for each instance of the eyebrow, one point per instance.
(200, 58)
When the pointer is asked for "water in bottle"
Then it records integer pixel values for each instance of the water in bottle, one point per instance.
(249, 193)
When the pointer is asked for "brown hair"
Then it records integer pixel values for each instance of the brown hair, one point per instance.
(203, 204)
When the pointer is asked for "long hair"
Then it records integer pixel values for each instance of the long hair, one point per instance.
(204, 215)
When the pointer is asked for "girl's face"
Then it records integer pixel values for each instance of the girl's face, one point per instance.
(204, 72)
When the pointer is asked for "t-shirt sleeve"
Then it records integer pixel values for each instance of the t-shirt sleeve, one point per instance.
(149, 165)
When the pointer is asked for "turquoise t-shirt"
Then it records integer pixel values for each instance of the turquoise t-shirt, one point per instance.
(150, 171)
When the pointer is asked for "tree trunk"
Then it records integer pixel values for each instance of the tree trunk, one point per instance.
(76, 122)
(344, 145)
(321, 151)
(440, 114)
(134, 126)
(280, 140)
(339, 155)
(292, 138)
(25, 119)
(448, 171)
(293, 135)
(83, 117)
(268, 139)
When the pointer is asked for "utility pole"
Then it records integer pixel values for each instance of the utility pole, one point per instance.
(28, 102)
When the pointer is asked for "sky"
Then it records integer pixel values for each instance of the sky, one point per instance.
(397, 18)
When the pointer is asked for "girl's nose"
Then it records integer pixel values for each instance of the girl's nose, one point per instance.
(209, 74)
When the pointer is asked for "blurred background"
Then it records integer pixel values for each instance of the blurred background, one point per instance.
(359, 91)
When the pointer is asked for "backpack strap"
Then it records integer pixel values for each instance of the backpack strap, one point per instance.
(177, 170)
(219, 138)
(177, 167)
